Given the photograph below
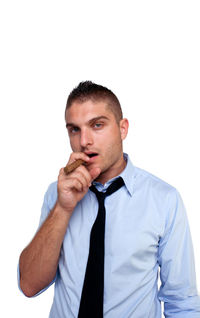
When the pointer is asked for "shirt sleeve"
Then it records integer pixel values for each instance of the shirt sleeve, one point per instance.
(49, 201)
(177, 270)
(48, 204)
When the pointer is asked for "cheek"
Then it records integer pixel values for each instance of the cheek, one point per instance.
(112, 144)
(108, 140)
(115, 138)
(75, 144)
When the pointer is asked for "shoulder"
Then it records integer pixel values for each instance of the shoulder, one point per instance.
(150, 183)
(160, 195)
(138, 179)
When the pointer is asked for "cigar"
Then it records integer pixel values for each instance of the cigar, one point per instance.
(71, 167)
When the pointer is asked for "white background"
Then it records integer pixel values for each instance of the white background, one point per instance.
(147, 52)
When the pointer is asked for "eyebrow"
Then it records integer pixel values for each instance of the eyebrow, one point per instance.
(91, 121)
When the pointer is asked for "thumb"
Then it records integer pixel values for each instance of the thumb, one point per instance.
(95, 173)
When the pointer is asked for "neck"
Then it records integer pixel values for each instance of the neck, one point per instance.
(112, 172)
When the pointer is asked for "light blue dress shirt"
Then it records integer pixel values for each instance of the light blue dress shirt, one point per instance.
(146, 230)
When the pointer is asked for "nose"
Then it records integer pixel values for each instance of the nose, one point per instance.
(86, 138)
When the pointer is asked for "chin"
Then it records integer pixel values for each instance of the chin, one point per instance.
(92, 166)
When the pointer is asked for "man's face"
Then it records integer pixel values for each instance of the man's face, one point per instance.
(93, 129)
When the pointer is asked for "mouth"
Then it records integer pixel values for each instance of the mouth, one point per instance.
(92, 154)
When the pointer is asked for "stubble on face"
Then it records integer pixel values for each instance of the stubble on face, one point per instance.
(106, 141)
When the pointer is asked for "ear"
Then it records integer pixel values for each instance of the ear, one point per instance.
(124, 124)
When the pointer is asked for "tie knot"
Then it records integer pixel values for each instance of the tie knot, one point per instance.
(115, 185)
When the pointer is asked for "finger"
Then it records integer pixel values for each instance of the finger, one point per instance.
(68, 180)
(77, 185)
(86, 174)
(80, 173)
(78, 155)
(62, 175)
(95, 172)
(81, 177)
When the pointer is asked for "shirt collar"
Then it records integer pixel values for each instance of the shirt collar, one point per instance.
(128, 175)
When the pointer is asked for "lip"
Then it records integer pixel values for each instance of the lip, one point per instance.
(90, 153)
(93, 158)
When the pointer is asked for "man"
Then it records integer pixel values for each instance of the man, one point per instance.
(146, 227)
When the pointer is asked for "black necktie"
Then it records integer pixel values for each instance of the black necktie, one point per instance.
(91, 304)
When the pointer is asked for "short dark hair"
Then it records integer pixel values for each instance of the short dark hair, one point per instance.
(90, 91)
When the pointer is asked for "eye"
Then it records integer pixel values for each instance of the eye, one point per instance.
(74, 130)
(98, 125)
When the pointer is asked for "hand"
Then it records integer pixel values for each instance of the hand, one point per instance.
(73, 187)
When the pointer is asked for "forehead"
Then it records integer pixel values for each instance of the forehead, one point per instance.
(85, 111)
